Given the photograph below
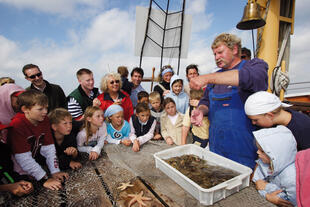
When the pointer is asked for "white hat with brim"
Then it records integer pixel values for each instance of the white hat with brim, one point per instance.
(262, 102)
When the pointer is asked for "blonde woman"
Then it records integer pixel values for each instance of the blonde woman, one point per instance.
(111, 85)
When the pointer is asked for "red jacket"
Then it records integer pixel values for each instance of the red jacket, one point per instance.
(106, 101)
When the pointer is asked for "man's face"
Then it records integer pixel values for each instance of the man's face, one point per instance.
(34, 75)
(136, 79)
(86, 81)
(64, 127)
(245, 57)
(192, 73)
(224, 56)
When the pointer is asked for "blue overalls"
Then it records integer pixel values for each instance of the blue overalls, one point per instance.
(230, 133)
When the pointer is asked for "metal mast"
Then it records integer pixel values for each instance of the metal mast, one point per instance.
(178, 28)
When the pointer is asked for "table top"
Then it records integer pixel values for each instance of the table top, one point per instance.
(98, 182)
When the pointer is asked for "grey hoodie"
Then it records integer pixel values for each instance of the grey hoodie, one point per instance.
(280, 145)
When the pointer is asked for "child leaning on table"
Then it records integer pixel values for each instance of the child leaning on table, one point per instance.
(142, 126)
(275, 174)
(9, 180)
(64, 134)
(118, 129)
(200, 133)
(93, 134)
(31, 138)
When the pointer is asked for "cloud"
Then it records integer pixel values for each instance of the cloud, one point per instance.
(203, 20)
(64, 8)
(109, 30)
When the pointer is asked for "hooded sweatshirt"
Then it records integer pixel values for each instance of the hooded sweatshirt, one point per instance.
(280, 146)
(181, 100)
(6, 110)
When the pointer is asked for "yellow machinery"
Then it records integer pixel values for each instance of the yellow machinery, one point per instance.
(273, 38)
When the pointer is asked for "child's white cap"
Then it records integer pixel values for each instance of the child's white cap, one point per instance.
(113, 109)
(262, 102)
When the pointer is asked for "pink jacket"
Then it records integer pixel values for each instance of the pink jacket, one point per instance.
(302, 164)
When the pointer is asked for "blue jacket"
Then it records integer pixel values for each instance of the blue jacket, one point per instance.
(280, 146)
(181, 100)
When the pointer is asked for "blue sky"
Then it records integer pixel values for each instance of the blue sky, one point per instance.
(62, 36)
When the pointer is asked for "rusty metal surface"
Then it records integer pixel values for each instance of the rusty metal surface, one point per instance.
(96, 184)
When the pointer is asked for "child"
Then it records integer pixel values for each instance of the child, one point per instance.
(31, 137)
(143, 97)
(275, 175)
(8, 177)
(156, 111)
(91, 138)
(118, 129)
(65, 138)
(126, 86)
(200, 133)
(178, 95)
(171, 123)
(266, 110)
(142, 126)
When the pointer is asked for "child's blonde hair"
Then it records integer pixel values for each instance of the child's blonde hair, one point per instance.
(89, 112)
(196, 94)
(58, 114)
(154, 96)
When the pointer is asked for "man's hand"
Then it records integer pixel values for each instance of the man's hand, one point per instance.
(197, 117)
(166, 92)
(71, 151)
(93, 155)
(157, 136)
(169, 141)
(52, 184)
(96, 102)
(194, 102)
(20, 188)
(61, 176)
(75, 165)
(275, 199)
(118, 101)
(260, 184)
(198, 82)
(136, 145)
(126, 142)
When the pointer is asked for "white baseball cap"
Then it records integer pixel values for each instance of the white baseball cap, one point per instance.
(262, 102)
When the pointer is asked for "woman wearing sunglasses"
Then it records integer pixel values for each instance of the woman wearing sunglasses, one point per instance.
(110, 86)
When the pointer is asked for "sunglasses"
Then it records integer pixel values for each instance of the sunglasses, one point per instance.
(35, 75)
(116, 81)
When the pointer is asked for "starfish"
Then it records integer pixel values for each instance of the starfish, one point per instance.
(138, 198)
(124, 186)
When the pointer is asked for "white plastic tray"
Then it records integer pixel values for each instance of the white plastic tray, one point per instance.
(210, 195)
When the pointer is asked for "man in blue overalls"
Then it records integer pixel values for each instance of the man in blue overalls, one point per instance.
(223, 102)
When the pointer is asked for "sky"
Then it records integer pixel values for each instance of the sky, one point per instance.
(62, 36)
